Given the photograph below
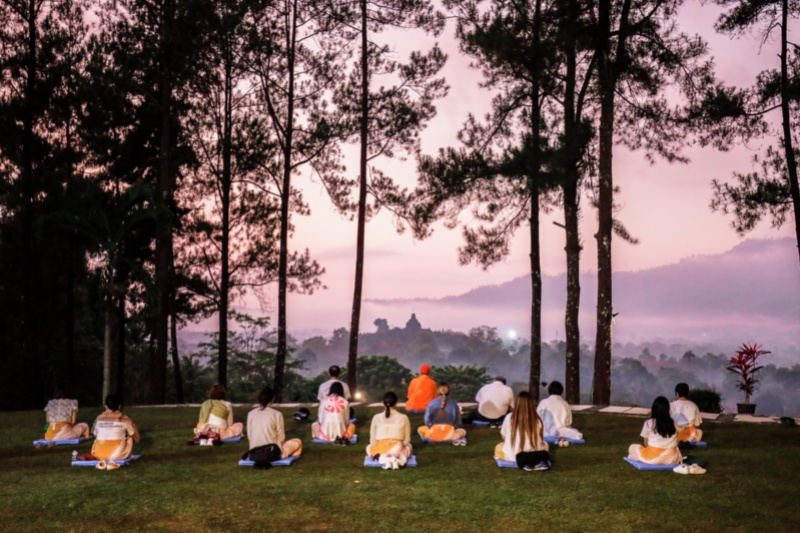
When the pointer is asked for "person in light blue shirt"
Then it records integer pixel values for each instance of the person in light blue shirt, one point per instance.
(443, 419)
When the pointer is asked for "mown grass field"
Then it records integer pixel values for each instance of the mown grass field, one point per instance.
(751, 484)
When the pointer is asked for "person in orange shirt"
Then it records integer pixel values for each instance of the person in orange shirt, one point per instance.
(421, 390)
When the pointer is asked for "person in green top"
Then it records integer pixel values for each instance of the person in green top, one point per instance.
(216, 414)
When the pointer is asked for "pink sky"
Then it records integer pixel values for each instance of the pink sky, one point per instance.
(664, 205)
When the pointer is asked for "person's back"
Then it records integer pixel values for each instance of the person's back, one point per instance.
(324, 389)
(523, 440)
(686, 415)
(495, 400)
(442, 419)
(421, 390)
(556, 414)
(390, 435)
(61, 414)
(334, 418)
(115, 434)
(265, 426)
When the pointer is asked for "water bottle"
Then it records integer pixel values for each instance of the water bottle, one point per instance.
(74, 455)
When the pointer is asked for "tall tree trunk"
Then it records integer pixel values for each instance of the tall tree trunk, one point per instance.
(164, 203)
(280, 357)
(571, 211)
(121, 320)
(224, 285)
(69, 326)
(108, 340)
(788, 149)
(355, 321)
(176, 361)
(533, 186)
(607, 76)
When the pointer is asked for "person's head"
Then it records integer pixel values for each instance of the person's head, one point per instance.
(265, 396)
(425, 369)
(444, 392)
(525, 422)
(337, 389)
(501, 379)
(218, 392)
(389, 401)
(682, 390)
(665, 426)
(555, 387)
(62, 390)
(113, 402)
(334, 371)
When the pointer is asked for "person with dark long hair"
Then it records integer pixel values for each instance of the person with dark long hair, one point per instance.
(334, 423)
(443, 419)
(62, 416)
(523, 437)
(265, 426)
(660, 437)
(390, 435)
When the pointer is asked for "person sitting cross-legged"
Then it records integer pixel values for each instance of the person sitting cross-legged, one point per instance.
(442, 418)
(523, 438)
(495, 401)
(421, 390)
(390, 435)
(115, 434)
(556, 414)
(62, 416)
(686, 415)
(660, 437)
(265, 426)
(334, 414)
(216, 414)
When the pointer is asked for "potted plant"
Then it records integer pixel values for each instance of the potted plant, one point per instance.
(745, 365)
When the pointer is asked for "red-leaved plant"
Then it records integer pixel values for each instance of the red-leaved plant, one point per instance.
(745, 365)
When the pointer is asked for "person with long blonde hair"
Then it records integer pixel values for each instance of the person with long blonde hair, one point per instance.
(442, 419)
(523, 436)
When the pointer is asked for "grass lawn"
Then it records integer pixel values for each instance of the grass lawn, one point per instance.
(751, 484)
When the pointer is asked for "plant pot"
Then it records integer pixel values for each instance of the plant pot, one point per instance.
(746, 408)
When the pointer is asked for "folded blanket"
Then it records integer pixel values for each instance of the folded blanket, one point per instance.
(369, 461)
(45, 442)
(93, 462)
(647, 466)
(351, 440)
(280, 462)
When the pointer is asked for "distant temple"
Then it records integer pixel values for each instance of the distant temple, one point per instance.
(413, 324)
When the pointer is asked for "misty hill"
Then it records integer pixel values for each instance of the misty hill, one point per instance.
(751, 292)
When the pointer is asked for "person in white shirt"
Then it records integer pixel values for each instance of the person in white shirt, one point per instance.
(390, 435)
(523, 439)
(265, 426)
(325, 388)
(686, 415)
(660, 437)
(334, 415)
(495, 400)
(556, 414)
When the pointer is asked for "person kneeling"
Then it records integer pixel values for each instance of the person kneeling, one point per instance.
(523, 438)
(115, 434)
(390, 435)
(442, 419)
(265, 426)
(660, 438)
(334, 418)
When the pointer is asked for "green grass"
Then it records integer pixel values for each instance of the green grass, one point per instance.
(751, 484)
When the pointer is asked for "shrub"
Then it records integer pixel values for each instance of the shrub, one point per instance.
(709, 401)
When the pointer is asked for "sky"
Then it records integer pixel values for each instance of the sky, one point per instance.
(666, 206)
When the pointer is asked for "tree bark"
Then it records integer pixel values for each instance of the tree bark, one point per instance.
(225, 275)
(788, 149)
(119, 385)
(176, 361)
(355, 321)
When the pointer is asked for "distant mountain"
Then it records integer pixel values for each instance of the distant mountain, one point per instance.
(749, 293)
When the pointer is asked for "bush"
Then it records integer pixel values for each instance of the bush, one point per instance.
(709, 401)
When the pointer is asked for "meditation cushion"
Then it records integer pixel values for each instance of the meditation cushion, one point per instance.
(369, 461)
(351, 440)
(646, 466)
(93, 462)
(280, 462)
(45, 442)
(502, 463)
(553, 440)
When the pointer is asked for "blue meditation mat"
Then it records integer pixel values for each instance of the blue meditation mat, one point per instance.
(45, 442)
(415, 411)
(369, 461)
(429, 441)
(229, 440)
(646, 466)
(698, 444)
(351, 440)
(554, 440)
(280, 462)
(502, 463)
(482, 423)
(93, 462)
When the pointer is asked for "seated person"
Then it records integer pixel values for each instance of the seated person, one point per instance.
(523, 437)
(265, 426)
(216, 414)
(390, 435)
(660, 438)
(495, 401)
(324, 389)
(333, 424)
(115, 434)
(421, 390)
(556, 414)
(442, 418)
(62, 414)
(686, 415)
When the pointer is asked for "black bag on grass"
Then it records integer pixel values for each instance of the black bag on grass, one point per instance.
(264, 455)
